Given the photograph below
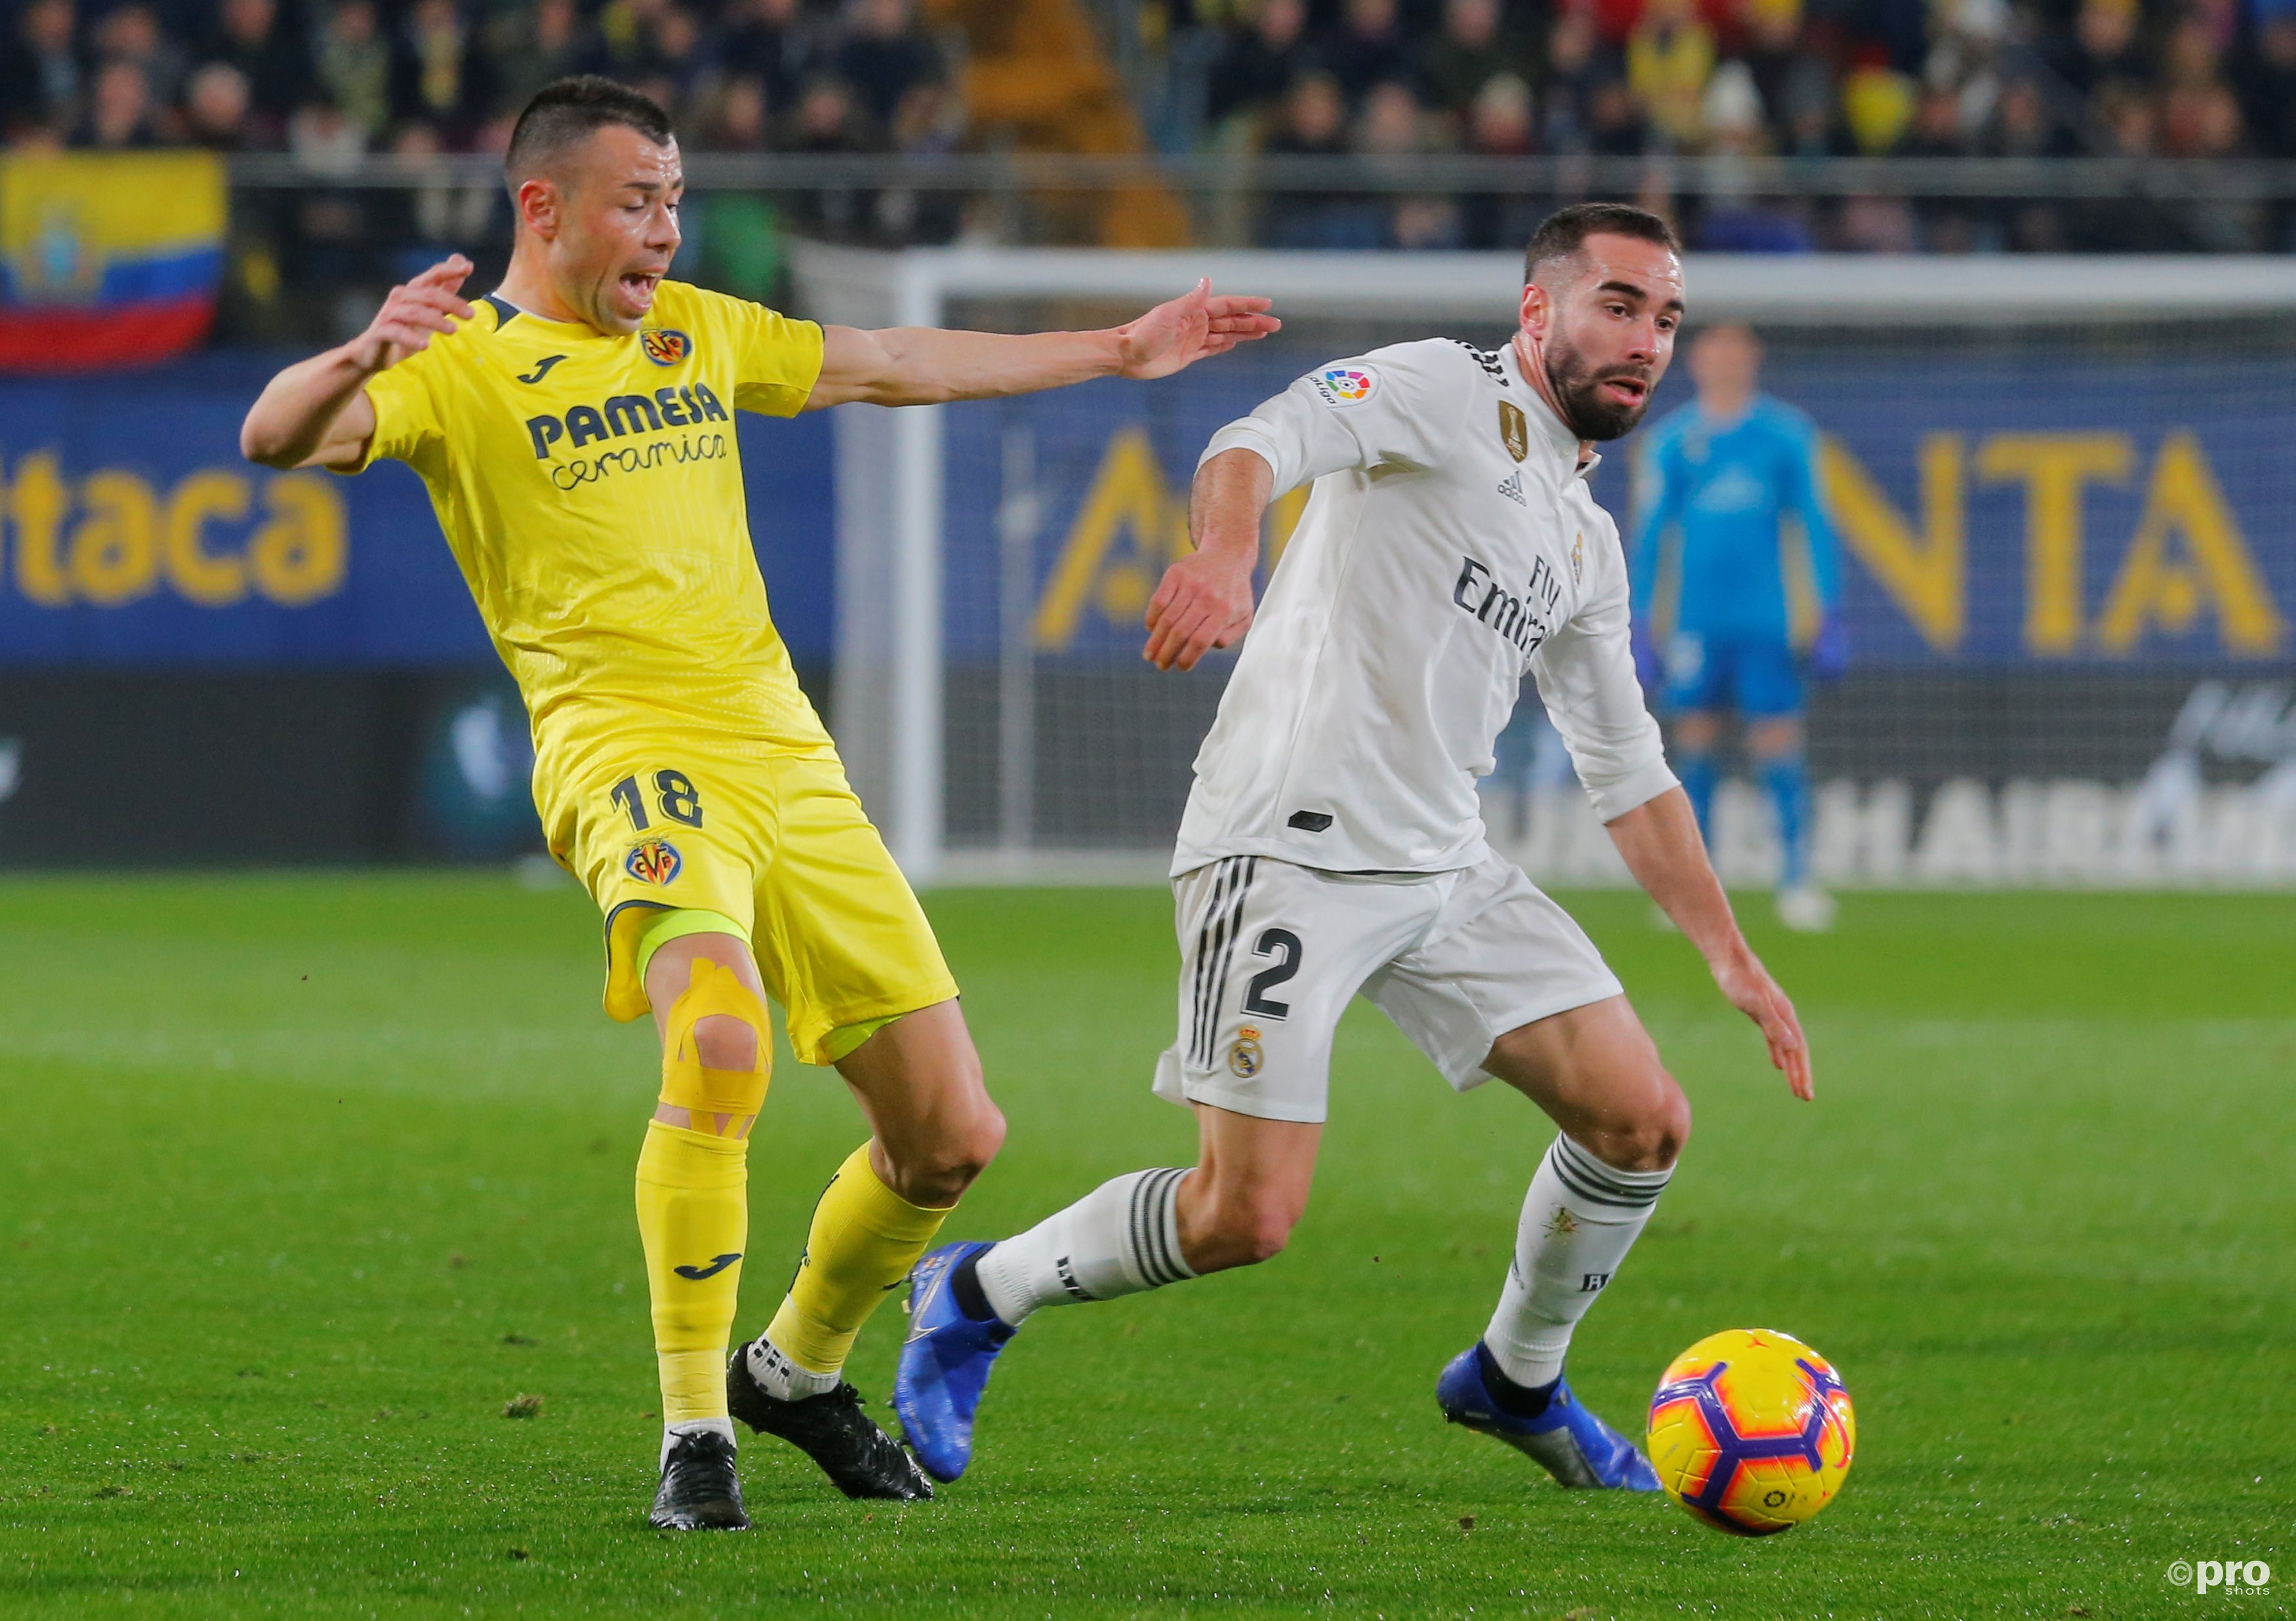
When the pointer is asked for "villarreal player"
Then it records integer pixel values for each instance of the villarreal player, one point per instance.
(574, 427)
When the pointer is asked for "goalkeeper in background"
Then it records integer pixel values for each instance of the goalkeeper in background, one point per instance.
(1736, 591)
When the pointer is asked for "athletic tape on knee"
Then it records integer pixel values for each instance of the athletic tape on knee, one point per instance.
(714, 992)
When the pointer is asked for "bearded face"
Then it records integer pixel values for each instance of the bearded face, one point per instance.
(1596, 402)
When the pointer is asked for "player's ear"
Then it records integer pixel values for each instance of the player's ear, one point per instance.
(538, 201)
(1536, 307)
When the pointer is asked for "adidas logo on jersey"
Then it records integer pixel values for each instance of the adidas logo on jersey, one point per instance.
(1511, 487)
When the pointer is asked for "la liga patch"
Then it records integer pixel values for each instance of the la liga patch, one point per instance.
(1347, 385)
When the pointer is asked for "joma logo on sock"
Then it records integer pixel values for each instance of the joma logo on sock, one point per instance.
(1592, 1281)
(717, 1264)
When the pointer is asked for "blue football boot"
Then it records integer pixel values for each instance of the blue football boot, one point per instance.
(945, 1364)
(1575, 1446)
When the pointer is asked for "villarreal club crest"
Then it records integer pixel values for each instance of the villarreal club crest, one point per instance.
(653, 860)
(1751, 1431)
(665, 346)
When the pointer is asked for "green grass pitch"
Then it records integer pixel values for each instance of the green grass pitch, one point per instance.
(303, 1179)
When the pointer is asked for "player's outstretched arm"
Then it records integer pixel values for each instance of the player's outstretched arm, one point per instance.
(1661, 843)
(1204, 600)
(924, 365)
(316, 414)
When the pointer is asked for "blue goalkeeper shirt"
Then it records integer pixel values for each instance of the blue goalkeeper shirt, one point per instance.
(1730, 536)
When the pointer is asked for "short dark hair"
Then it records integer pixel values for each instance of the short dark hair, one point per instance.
(1564, 232)
(566, 111)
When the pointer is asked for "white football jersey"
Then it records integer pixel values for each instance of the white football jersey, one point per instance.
(1449, 545)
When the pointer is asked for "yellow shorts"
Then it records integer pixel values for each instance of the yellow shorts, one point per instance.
(778, 844)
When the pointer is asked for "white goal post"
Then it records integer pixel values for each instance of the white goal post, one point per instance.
(895, 482)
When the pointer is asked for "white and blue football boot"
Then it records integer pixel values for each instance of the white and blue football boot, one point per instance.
(945, 1364)
(1571, 1443)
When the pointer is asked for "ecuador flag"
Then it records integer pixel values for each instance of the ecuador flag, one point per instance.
(107, 260)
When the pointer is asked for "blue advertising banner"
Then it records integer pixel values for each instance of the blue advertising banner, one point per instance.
(135, 536)
(2043, 511)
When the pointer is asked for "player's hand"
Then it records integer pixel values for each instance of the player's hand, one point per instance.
(1829, 650)
(1752, 991)
(413, 312)
(1204, 602)
(1198, 324)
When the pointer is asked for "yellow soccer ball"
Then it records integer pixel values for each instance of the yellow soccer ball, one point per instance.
(1751, 1431)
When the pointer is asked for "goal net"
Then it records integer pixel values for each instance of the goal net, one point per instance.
(2064, 492)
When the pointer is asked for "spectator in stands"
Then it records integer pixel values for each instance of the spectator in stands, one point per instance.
(1501, 123)
(2268, 85)
(215, 107)
(740, 116)
(1369, 47)
(1256, 66)
(679, 63)
(131, 32)
(42, 79)
(1392, 130)
(1585, 84)
(883, 57)
(1313, 123)
(828, 120)
(2104, 48)
(439, 76)
(351, 62)
(528, 49)
(624, 37)
(2200, 117)
(1795, 82)
(1669, 57)
(120, 112)
(769, 42)
(252, 36)
(1471, 49)
(322, 140)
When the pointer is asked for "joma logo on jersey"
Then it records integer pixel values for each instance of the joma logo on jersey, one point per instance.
(626, 413)
(1520, 619)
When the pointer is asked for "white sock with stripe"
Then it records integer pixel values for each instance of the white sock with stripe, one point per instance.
(1123, 1238)
(1578, 1220)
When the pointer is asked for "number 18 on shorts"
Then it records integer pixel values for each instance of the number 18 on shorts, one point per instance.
(1271, 954)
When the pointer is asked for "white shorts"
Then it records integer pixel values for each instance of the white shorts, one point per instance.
(1271, 953)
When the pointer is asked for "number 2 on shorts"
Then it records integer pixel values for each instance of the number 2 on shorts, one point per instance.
(674, 792)
(1283, 944)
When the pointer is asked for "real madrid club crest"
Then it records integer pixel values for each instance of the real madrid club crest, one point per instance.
(653, 861)
(1578, 558)
(1514, 431)
(1244, 1059)
(665, 346)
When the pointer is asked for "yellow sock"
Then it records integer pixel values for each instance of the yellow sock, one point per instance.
(864, 1240)
(694, 1214)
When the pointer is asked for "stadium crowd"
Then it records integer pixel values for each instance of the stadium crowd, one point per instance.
(328, 79)
(1912, 78)
(1381, 79)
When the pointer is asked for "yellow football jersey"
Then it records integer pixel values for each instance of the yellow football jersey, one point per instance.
(590, 487)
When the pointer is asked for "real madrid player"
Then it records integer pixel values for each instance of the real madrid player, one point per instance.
(575, 430)
(1331, 846)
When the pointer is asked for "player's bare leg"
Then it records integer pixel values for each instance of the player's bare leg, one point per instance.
(1595, 1072)
(932, 1130)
